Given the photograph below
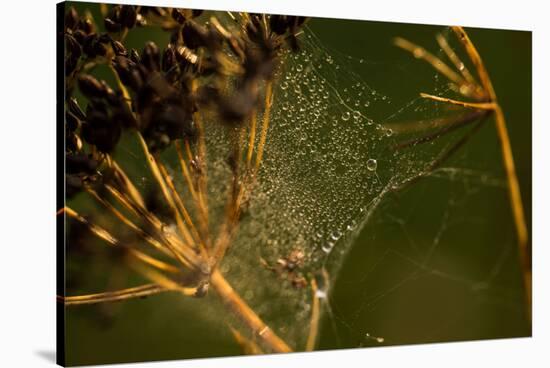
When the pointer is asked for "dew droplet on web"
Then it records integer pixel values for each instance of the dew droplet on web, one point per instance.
(372, 164)
(346, 115)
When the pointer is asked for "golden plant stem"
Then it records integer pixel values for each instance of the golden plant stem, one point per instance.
(459, 65)
(195, 238)
(516, 203)
(476, 60)
(472, 105)
(130, 188)
(186, 174)
(186, 249)
(265, 125)
(196, 192)
(157, 245)
(508, 161)
(252, 138)
(111, 240)
(249, 346)
(162, 280)
(314, 322)
(423, 54)
(239, 307)
(113, 296)
(202, 185)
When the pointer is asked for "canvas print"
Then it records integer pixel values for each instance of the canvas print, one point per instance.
(234, 183)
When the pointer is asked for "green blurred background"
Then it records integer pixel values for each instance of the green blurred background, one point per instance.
(471, 288)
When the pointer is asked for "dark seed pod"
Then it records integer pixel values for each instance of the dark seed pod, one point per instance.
(279, 24)
(80, 163)
(90, 86)
(127, 72)
(104, 38)
(101, 132)
(71, 18)
(123, 116)
(235, 108)
(119, 48)
(151, 56)
(72, 123)
(178, 15)
(70, 64)
(134, 56)
(79, 36)
(72, 45)
(197, 12)
(86, 25)
(168, 59)
(128, 16)
(112, 26)
(75, 109)
(72, 142)
(194, 35)
(93, 47)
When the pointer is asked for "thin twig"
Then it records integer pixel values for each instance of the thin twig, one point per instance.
(113, 296)
(239, 307)
(314, 322)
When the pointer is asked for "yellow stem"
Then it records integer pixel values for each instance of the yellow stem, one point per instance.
(113, 296)
(239, 307)
(265, 125)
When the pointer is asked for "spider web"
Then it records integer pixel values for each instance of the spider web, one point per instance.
(335, 187)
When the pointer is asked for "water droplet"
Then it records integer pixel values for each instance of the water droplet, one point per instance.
(320, 294)
(461, 67)
(335, 235)
(327, 247)
(356, 115)
(346, 116)
(352, 225)
(372, 164)
(299, 67)
(284, 85)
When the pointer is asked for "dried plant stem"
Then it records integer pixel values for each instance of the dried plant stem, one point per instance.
(129, 187)
(471, 105)
(459, 65)
(202, 183)
(314, 322)
(516, 202)
(128, 222)
(160, 279)
(111, 240)
(252, 138)
(421, 53)
(113, 296)
(248, 345)
(186, 249)
(186, 174)
(239, 307)
(486, 100)
(265, 124)
(195, 238)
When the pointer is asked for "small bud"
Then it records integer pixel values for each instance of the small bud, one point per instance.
(128, 16)
(90, 86)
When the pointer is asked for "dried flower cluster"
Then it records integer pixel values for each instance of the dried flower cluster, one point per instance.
(208, 69)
